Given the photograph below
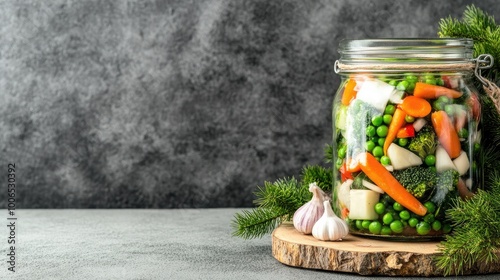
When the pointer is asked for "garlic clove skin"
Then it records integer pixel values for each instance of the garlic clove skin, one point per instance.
(330, 227)
(306, 216)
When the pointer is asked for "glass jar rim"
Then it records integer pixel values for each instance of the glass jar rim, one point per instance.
(392, 54)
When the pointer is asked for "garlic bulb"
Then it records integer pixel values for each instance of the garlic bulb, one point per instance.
(305, 217)
(330, 227)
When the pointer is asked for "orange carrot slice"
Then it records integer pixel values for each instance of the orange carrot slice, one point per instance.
(384, 180)
(398, 120)
(415, 106)
(447, 135)
(349, 92)
(427, 91)
(352, 165)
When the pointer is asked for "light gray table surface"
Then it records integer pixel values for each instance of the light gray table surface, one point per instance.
(146, 244)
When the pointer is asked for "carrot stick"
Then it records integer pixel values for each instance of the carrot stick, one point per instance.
(415, 106)
(349, 92)
(428, 91)
(352, 165)
(398, 120)
(384, 179)
(447, 135)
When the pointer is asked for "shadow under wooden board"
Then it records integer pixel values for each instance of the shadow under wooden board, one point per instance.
(361, 255)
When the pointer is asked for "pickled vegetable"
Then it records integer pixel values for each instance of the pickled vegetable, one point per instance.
(407, 145)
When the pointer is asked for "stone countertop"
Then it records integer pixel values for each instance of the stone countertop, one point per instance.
(145, 244)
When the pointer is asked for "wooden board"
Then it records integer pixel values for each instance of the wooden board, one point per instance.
(361, 255)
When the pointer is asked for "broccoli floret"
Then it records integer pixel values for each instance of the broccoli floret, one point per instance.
(446, 188)
(417, 180)
(424, 143)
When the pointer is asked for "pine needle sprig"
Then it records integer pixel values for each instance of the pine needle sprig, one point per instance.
(476, 235)
(285, 195)
(257, 222)
(480, 27)
(319, 174)
(276, 202)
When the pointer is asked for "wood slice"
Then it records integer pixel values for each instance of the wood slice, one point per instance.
(361, 255)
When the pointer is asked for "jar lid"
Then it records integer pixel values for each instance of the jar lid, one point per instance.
(419, 54)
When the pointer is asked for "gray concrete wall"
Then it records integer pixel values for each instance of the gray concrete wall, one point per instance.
(175, 104)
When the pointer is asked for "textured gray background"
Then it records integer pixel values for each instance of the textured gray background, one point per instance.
(177, 103)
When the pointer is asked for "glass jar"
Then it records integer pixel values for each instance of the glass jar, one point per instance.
(406, 132)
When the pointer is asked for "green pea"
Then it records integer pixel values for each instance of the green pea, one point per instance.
(385, 160)
(403, 85)
(463, 133)
(433, 168)
(378, 151)
(382, 130)
(402, 142)
(449, 109)
(371, 131)
(390, 109)
(339, 163)
(398, 207)
(430, 160)
(377, 120)
(379, 208)
(359, 224)
(477, 147)
(381, 141)
(431, 207)
(412, 222)
(438, 105)
(387, 119)
(397, 226)
(393, 82)
(386, 230)
(375, 227)
(429, 218)
(430, 81)
(366, 224)
(444, 99)
(446, 228)
(423, 228)
(411, 87)
(411, 78)
(428, 76)
(404, 215)
(387, 219)
(370, 145)
(409, 119)
(436, 225)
